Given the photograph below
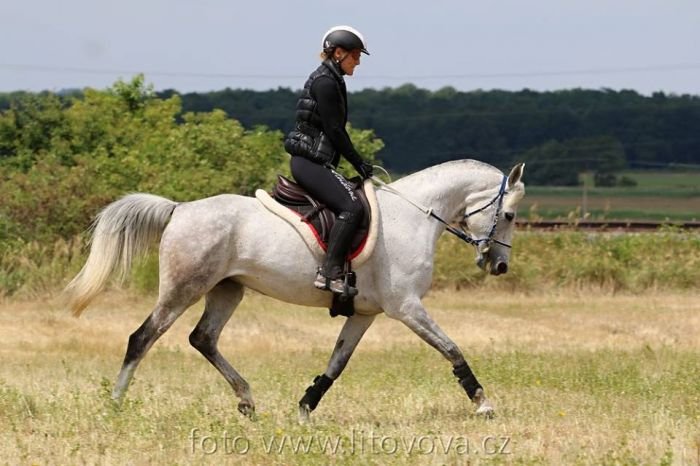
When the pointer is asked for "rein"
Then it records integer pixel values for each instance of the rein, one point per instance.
(459, 233)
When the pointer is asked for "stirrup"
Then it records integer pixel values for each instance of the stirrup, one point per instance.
(335, 285)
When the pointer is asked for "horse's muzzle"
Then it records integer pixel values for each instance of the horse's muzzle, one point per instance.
(499, 266)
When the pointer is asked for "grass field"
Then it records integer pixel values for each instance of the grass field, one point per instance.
(576, 377)
(658, 196)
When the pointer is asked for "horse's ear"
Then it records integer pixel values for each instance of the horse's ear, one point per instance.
(515, 174)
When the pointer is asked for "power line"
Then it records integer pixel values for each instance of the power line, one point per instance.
(113, 71)
(526, 74)
(208, 75)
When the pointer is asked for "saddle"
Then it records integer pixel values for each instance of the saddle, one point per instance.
(313, 222)
(319, 217)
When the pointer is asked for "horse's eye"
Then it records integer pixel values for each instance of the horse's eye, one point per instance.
(510, 216)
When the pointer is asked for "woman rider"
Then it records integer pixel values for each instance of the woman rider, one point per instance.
(319, 139)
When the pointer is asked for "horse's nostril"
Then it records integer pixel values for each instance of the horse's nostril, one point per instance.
(501, 268)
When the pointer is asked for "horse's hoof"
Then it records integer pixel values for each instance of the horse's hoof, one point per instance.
(117, 398)
(304, 414)
(484, 408)
(486, 411)
(247, 409)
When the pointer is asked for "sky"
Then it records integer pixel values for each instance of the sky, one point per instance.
(204, 45)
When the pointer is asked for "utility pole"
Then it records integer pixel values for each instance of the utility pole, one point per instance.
(584, 195)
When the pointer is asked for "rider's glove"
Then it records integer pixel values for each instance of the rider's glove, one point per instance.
(365, 170)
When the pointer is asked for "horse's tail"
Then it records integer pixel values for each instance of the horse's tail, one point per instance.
(121, 232)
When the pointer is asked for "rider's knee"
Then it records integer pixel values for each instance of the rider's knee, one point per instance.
(355, 210)
(350, 216)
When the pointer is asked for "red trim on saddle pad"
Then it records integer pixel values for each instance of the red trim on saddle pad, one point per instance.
(323, 245)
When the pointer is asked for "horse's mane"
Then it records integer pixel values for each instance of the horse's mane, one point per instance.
(476, 164)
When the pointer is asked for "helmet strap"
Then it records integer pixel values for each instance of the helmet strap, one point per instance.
(340, 60)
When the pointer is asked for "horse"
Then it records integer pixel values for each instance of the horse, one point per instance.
(218, 246)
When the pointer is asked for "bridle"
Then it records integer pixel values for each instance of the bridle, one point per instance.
(499, 199)
(481, 244)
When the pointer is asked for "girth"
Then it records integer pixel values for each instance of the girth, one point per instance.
(294, 197)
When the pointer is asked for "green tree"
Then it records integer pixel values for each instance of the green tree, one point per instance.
(65, 161)
(421, 127)
(551, 164)
(604, 155)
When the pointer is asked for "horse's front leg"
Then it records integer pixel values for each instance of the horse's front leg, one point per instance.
(351, 334)
(413, 314)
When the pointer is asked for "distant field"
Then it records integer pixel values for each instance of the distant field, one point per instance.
(664, 180)
(657, 196)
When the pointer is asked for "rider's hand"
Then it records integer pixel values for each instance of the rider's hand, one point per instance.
(366, 170)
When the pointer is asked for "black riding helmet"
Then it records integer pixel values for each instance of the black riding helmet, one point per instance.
(346, 37)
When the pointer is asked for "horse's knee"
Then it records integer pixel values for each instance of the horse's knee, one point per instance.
(454, 354)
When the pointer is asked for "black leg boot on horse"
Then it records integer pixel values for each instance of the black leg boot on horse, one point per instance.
(331, 275)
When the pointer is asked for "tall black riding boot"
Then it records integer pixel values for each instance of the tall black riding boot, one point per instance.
(330, 276)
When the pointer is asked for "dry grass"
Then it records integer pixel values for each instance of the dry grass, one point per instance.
(577, 378)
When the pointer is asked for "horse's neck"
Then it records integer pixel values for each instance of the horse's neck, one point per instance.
(445, 187)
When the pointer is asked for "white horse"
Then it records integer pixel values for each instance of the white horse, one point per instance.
(218, 246)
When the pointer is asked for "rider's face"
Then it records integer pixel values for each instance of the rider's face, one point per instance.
(348, 60)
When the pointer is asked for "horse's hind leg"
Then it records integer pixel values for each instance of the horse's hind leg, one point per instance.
(165, 313)
(221, 301)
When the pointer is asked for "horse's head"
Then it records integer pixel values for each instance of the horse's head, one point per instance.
(490, 218)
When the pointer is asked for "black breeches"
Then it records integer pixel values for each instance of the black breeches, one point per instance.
(327, 186)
